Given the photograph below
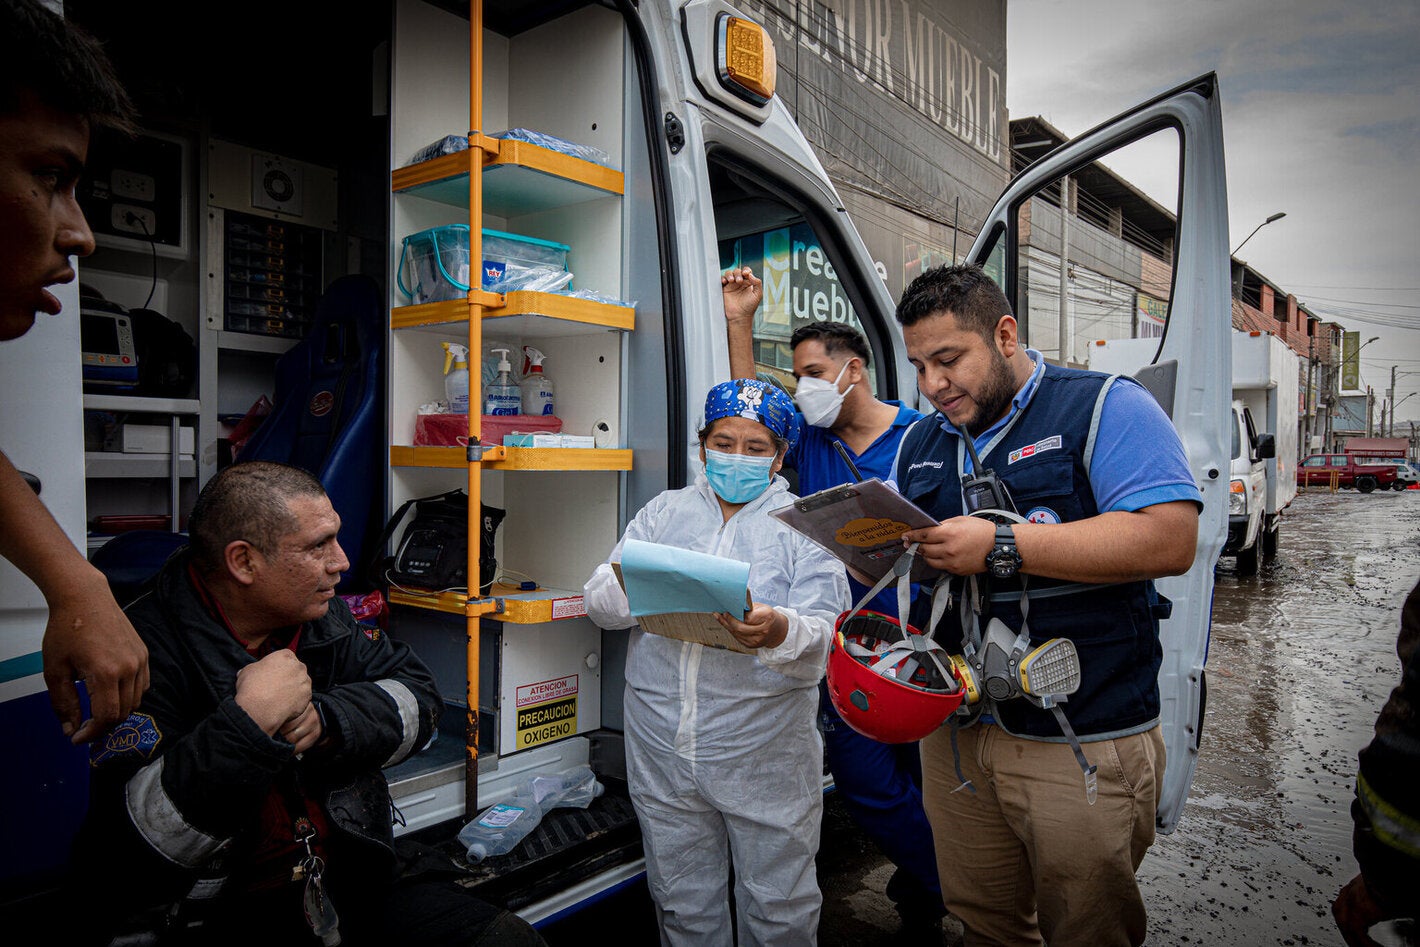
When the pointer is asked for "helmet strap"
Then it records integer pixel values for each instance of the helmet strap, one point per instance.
(901, 571)
(972, 642)
(962, 782)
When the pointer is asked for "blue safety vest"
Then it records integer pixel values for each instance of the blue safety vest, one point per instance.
(1043, 456)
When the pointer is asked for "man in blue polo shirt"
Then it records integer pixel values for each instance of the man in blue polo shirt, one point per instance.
(880, 783)
(1106, 502)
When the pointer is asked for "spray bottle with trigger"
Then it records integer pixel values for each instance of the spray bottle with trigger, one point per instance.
(537, 387)
(456, 381)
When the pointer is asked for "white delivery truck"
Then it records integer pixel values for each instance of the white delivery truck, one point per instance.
(1262, 426)
(1264, 450)
(699, 166)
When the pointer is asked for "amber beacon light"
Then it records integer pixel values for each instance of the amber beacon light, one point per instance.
(747, 63)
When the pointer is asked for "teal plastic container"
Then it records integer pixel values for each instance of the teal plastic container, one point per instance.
(434, 264)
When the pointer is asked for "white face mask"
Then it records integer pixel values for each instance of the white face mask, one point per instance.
(821, 400)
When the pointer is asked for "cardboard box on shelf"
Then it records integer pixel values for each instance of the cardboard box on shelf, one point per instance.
(533, 439)
(153, 439)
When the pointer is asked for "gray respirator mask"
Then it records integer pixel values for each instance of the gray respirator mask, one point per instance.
(1005, 667)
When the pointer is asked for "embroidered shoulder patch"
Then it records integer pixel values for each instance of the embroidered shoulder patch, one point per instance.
(137, 734)
(1049, 443)
(1042, 514)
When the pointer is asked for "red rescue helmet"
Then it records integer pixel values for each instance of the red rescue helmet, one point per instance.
(889, 686)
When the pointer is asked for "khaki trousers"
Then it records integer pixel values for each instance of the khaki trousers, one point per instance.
(1025, 859)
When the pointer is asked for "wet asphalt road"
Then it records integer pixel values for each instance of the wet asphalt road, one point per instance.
(1301, 659)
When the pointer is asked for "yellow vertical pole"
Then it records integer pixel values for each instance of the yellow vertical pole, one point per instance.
(475, 402)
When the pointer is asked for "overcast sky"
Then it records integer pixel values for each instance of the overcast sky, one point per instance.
(1321, 119)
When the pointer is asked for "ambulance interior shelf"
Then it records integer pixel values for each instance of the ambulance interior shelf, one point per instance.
(522, 178)
(153, 454)
(452, 144)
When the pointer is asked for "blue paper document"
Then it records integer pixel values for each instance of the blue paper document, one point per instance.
(660, 579)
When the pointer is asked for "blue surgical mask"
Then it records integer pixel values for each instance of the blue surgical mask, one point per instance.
(737, 478)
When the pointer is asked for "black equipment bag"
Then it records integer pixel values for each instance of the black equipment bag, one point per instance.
(432, 553)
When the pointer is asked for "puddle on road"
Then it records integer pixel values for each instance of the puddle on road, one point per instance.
(1301, 659)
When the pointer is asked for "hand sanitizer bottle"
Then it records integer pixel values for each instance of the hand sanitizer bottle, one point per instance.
(503, 397)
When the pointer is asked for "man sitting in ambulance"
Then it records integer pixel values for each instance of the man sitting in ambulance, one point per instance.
(723, 759)
(243, 801)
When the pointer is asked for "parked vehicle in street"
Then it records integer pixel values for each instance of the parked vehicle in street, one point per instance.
(1262, 481)
(1343, 472)
(1406, 473)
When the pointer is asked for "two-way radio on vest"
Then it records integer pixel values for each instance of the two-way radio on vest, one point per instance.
(983, 490)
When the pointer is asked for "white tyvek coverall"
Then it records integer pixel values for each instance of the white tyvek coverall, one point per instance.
(721, 747)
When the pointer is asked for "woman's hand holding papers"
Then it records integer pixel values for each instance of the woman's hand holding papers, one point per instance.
(762, 627)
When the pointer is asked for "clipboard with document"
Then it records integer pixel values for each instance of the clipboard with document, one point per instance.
(680, 620)
(861, 524)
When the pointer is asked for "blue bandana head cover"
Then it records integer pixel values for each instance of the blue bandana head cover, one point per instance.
(757, 400)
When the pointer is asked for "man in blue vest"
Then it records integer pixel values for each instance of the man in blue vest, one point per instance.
(881, 784)
(1104, 501)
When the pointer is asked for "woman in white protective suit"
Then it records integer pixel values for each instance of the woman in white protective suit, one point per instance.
(723, 757)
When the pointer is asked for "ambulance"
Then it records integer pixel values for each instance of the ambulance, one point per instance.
(659, 155)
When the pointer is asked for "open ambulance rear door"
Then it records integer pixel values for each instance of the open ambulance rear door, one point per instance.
(1190, 316)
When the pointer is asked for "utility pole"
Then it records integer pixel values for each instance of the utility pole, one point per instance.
(1065, 340)
(1390, 396)
(1370, 408)
(1312, 399)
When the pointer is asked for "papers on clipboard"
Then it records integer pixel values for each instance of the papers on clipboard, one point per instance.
(676, 592)
(860, 524)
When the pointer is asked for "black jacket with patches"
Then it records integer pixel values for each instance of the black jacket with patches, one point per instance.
(1386, 810)
(178, 789)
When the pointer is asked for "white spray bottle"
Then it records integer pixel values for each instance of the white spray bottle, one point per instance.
(537, 387)
(456, 377)
(503, 397)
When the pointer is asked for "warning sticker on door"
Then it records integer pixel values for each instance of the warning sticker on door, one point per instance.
(546, 711)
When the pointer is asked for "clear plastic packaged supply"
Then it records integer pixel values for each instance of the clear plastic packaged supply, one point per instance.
(452, 144)
(449, 144)
(500, 827)
(537, 279)
(553, 143)
(595, 296)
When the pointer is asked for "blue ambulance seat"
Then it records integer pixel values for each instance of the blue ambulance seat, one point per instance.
(130, 559)
(328, 409)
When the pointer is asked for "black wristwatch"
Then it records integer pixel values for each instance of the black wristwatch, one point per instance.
(1003, 561)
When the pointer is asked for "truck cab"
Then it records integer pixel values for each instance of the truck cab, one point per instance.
(1264, 451)
(1247, 489)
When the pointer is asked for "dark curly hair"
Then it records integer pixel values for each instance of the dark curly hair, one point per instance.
(835, 337)
(61, 64)
(964, 291)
